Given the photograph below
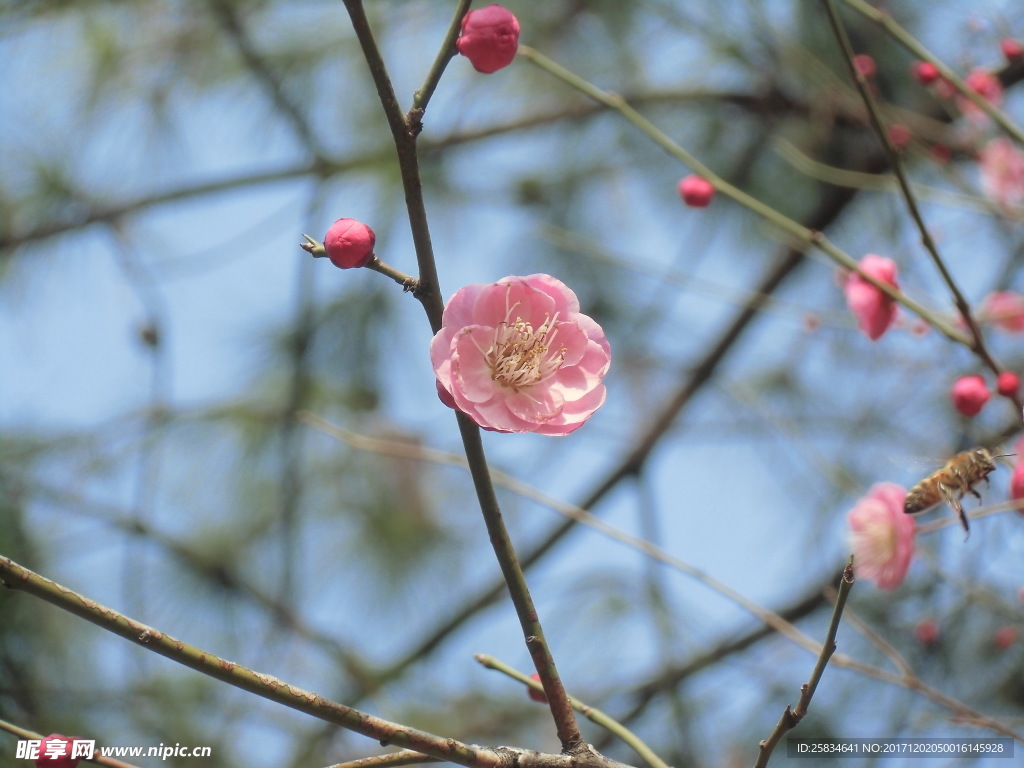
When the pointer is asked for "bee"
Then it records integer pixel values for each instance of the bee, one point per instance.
(952, 483)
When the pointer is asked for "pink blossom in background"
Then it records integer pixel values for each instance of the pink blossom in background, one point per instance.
(1005, 309)
(927, 632)
(986, 85)
(969, 395)
(865, 65)
(519, 356)
(1012, 50)
(1017, 482)
(873, 309)
(1007, 383)
(489, 39)
(1001, 164)
(925, 72)
(882, 536)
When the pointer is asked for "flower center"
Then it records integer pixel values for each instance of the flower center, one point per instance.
(522, 355)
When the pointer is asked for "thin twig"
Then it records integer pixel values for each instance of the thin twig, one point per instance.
(978, 344)
(18, 577)
(444, 55)
(807, 237)
(591, 713)
(911, 43)
(390, 760)
(15, 576)
(791, 717)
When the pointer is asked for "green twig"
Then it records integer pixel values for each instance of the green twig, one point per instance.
(444, 55)
(911, 43)
(807, 237)
(791, 717)
(591, 713)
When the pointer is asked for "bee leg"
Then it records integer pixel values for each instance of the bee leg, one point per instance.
(954, 502)
(974, 493)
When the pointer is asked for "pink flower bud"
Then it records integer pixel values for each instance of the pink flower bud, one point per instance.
(489, 39)
(925, 72)
(986, 85)
(535, 694)
(1008, 383)
(55, 752)
(1017, 490)
(349, 243)
(969, 395)
(696, 191)
(1012, 50)
(874, 310)
(1005, 637)
(899, 135)
(865, 65)
(927, 632)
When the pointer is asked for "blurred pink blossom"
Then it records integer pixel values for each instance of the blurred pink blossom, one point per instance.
(882, 536)
(519, 356)
(969, 395)
(1005, 309)
(986, 85)
(1002, 173)
(873, 309)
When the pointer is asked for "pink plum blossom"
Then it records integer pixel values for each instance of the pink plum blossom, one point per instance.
(969, 395)
(874, 310)
(519, 356)
(1002, 173)
(489, 39)
(1005, 309)
(882, 535)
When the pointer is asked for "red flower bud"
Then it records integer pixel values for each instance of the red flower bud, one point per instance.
(925, 72)
(1005, 637)
(349, 243)
(969, 395)
(55, 752)
(1008, 383)
(489, 39)
(865, 65)
(899, 135)
(696, 191)
(1012, 50)
(927, 632)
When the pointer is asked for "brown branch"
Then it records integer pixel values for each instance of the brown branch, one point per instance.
(791, 717)
(17, 577)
